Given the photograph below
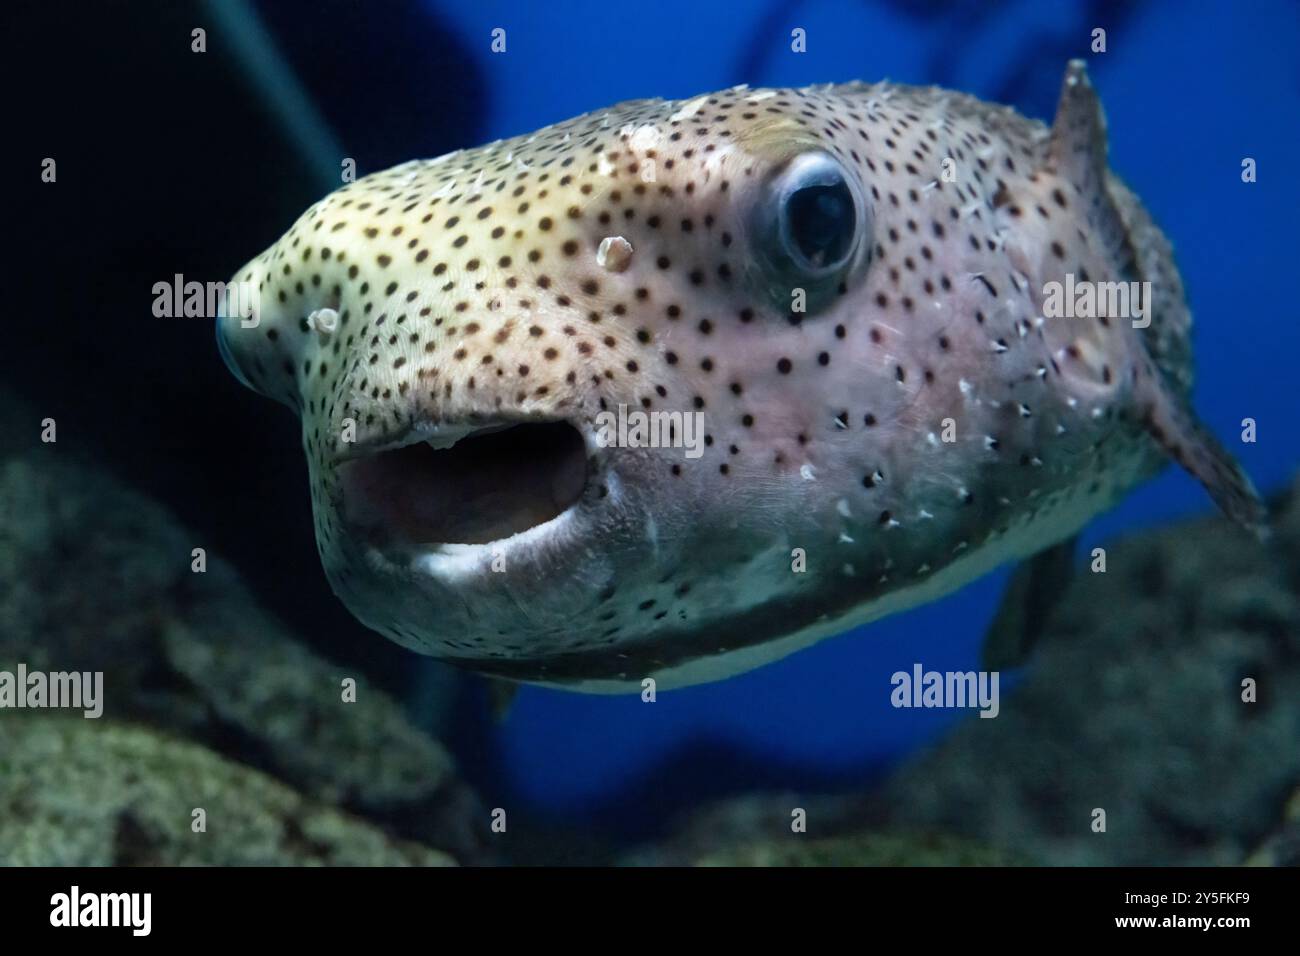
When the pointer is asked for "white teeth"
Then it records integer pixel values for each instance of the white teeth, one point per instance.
(445, 436)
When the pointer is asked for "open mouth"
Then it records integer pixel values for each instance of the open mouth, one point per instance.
(482, 485)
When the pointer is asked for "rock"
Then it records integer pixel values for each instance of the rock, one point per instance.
(95, 577)
(1134, 705)
(864, 849)
(755, 830)
(1282, 847)
(77, 792)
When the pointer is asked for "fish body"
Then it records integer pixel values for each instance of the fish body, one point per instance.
(846, 287)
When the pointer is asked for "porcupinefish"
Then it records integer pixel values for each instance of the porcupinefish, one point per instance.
(849, 285)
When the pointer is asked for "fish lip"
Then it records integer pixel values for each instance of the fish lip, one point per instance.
(453, 565)
(453, 562)
(426, 429)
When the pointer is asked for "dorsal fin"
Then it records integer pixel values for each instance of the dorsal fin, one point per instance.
(1076, 152)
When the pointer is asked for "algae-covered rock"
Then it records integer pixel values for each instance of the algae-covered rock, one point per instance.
(864, 849)
(758, 830)
(95, 577)
(1138, 703)
(1282, 847)
(94, 793)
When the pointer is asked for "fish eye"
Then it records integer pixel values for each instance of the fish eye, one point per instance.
(810, 228)
(819, 219)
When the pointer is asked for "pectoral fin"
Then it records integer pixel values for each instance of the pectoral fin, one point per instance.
(1187, 441)
(1076, 152)
(501, 697)
(1032, 592)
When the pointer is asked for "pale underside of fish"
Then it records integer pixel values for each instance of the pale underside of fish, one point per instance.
(853, 291)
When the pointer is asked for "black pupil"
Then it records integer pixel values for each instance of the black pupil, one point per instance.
(821, 223)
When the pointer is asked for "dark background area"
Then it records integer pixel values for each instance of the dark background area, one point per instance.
(169, 161)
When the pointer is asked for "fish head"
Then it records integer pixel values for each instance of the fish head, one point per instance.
(658, 386)
(463, 339)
